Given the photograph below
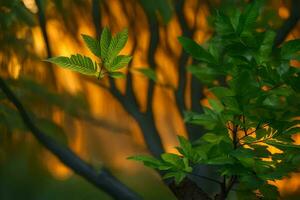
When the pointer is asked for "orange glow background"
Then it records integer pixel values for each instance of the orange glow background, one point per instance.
(120, 137)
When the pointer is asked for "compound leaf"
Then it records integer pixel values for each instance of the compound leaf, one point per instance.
(120, 62)
(92, 44)
(78, 63)
(105, 42)
(117, 44)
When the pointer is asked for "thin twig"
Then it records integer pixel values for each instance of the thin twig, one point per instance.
(256, 129)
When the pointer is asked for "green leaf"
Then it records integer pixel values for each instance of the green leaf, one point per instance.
(282, 145)
(269, 192)
(204, 74)
(147, 160)
(105, 42)
(117, 44)
(165, 166)
(78, 63)
(206, 120)
(216, 105)
(251, 181)
(231, 105)
(195, 50)
(221, 160)
(148, 72)
(289, 48)
(292, 131)
(245, 156)
(249, 16)
(199, 154)
(244, 84)
(116, 75)
(187, 168)
(224, 25)
(171, 158)
(179, 177)
(272, 101)
(185, 145)
(119, 62)
(212, 138)
(221, 92)
(92, 44)
(266, 46)
(169, 175)
(283, 68)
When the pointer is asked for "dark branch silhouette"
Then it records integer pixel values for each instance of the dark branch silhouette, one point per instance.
(104, 180)
(289, 24)
(196, 93)
(129, 103)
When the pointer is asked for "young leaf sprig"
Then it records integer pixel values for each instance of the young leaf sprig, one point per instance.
(107, 49)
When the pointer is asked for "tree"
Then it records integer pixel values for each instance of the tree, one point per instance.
(255, 102)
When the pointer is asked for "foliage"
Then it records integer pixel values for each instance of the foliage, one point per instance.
(107, 49)
(255, 109)
(14, 18)
(148, 72)
(177, 166)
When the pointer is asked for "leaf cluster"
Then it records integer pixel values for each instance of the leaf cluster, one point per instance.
(107, 49)
(176, 166)
(256, 108)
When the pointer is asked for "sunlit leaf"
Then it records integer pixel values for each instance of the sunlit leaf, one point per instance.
(78, 63)
(117, 43)
(120, 62)
(148, 72)
(117, 75)
(147, 160)
(105, 41)
(92, 44)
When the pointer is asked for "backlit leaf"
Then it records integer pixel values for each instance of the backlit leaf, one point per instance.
(92, 44)
(78, 63)
(195, 50)
(105, 41)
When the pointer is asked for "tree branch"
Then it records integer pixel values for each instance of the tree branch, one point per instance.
(42, 21)
(103, 180)
(145, 122)
(96, 17)
(194, 131)
(188, 190)
(154, 39)
(180, 93)
(289, 24)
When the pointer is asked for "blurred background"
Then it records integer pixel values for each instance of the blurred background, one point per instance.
(81, 112)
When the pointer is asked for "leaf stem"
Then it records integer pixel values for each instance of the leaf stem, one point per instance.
(101, 67)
